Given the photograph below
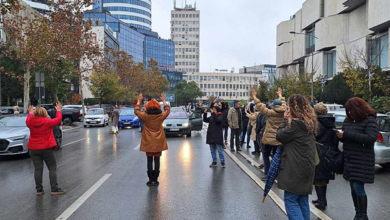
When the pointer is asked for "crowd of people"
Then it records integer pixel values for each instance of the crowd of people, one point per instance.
(306, 134)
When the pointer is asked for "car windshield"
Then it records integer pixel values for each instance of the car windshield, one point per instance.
(13, 121)
(95, 112)
(384, 123)
(126, 112)
(177, 115)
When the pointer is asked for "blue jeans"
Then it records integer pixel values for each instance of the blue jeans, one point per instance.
(297, 206)
(213, 149)
(358, 188)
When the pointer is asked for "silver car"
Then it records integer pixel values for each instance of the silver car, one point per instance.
(178, 122)
(382, 145)
(14, 134)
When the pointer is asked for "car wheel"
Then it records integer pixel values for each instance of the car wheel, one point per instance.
(385, 165)
(67, 121)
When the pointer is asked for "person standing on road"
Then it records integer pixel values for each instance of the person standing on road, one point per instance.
(16, 110)
(261, 122)
(225, 123)
(153, 140)
(359, 133)
(235, 125)
(327, 140)
(298, 159)
(214, 135)
(189, 107)
(244, 130)
(41, 146)
(252, 116)
(56, 129)
(115, 120)
(275, 116)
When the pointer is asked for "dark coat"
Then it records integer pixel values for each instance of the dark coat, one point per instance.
(328, 140)
(358, 148)
(214, 131)
(225, 123)
(261, 122)
(297, 165)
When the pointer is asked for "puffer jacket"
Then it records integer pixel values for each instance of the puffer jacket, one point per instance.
(234, 118)
(275, 116)
(297, 165)
(252, 119)
(328, 141)
(358, 148)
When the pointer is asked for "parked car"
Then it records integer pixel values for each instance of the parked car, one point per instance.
(334, 107)
(69, 115)
(6, 110)
(178, 122)
(127, 118)
(14, 134)
(96, 117)
(382, 145)
(79, 107)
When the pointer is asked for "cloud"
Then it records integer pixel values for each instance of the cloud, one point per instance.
(233, 33)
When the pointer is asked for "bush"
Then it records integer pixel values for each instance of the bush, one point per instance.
(381, 104)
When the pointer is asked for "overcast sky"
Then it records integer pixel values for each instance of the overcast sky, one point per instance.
(233, 33)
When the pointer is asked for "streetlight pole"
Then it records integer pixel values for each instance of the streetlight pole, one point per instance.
(312, 65)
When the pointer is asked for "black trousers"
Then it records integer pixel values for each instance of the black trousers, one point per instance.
(47, 156)
(235, 134)
(225, 130)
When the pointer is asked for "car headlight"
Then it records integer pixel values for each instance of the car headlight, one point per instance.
(186, 124)
(134, 119)
(164, 125)
(18, 138)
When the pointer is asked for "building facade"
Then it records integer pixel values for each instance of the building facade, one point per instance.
(323, 34)
(136, 13)
(267, 72)
(185, 32)
(161, 50)
(227, 86)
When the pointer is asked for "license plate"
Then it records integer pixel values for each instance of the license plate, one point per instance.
(126, 123)
(174, 129)
(92, 122)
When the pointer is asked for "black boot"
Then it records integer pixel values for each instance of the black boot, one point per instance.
(155, 177)
(318, 193)
(362, 201)
(356, 204)
(321, 194)
(150, 175)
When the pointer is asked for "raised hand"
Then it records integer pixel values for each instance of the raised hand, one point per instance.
(30, 109)
(280, 92)
(163, 98)
(140, 98)
(58, 106)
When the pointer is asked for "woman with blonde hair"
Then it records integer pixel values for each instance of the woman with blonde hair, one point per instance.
(153, 140)
(298, 160)
(41, 146)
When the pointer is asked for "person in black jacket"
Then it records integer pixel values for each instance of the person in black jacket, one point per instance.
(225, 123)
(214, 134)
(327, 140)
(359, 133)
(261, 122)
(56, 129)
(245, 121)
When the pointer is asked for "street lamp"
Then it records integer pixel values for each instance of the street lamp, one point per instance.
(312, 64)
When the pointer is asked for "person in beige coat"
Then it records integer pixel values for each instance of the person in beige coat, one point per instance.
(275, 116)
(153, 140)
(252, 123)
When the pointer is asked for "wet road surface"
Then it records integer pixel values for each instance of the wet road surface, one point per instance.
(188, 189)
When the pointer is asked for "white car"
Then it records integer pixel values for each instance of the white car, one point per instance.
(96, 117)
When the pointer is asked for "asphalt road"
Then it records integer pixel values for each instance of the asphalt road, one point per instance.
(106, 175)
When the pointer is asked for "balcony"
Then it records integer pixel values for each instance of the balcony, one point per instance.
(353, 4)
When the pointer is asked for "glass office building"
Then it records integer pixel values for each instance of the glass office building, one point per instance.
(163, 51)
(136, 13)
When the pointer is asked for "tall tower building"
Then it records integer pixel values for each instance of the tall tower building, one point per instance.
(136, 13)
(185, 32)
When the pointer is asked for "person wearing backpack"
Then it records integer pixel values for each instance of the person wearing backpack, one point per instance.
(261, 122)
(327, 140)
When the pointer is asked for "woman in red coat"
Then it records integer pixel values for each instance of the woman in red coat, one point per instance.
(41, 146)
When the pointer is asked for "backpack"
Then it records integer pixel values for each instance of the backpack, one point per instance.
(333, 158)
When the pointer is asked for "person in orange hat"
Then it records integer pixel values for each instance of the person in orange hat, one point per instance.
(153, 140)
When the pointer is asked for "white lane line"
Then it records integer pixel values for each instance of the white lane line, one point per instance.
(73, 142)
(137, 147)
(278, 201)
(69, 211)
(313, 209)
(70, 129)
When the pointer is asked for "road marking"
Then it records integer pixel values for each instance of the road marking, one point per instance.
(313, 209)
(69, 211)
(137, 147)
(69, 129)
(73, 142)
(278, 201)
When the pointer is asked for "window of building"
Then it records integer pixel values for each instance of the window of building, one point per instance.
(310, 42)
(380, 51)
(330, 64)
(186, 15)
(223, 86)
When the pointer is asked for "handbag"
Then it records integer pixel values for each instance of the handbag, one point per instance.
(333, 159)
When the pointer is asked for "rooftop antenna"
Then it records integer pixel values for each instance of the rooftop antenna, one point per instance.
(174, 3)
(185, 3)
(195, 5)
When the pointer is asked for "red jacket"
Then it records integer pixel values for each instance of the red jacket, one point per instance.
(41, 132)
